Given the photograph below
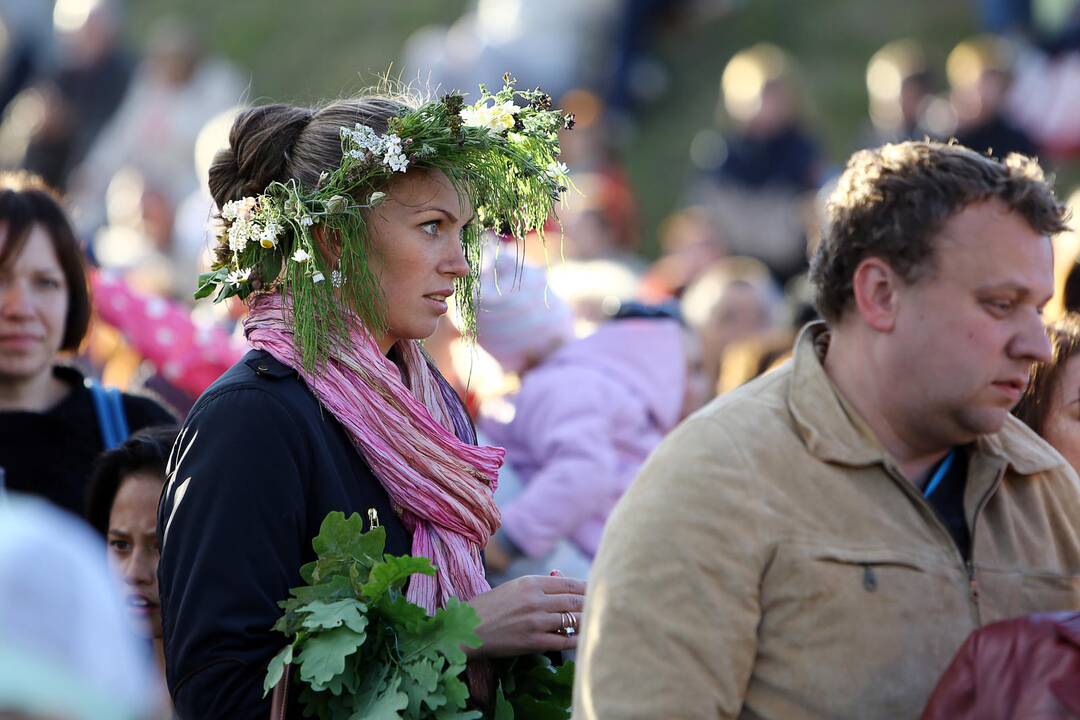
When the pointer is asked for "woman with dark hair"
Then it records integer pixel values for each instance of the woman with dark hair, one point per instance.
(50, 429)
(122, 505)
(346, 229)
(1051, 404)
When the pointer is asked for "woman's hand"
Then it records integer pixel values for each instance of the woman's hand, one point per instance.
(527, 614)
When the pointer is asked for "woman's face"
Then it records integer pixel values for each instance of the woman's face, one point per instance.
(134, 549)
(33, 309)
(1062, 426)
(416, 233)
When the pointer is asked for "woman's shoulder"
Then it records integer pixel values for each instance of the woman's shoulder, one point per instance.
(257, 389)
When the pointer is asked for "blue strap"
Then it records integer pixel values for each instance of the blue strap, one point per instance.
(939, 474)
(108, 405)
(116, 407)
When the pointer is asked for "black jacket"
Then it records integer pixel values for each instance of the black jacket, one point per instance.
(257, 467)
(51, 453)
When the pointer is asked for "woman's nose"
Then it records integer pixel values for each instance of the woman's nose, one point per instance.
(15, 300)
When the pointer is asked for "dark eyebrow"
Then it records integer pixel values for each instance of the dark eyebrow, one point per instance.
(451, 216)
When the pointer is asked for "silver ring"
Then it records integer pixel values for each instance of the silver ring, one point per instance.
(569, 627)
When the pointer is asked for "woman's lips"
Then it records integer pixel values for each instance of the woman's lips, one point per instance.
(438, 302)
(19, 341)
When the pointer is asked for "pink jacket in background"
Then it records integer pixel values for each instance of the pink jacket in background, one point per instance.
(584, 422)
(188, 355)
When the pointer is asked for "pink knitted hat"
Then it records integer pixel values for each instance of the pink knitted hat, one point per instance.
(519, 317)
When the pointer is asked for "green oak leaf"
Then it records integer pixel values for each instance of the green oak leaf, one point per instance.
(324, 655)
(331, 591)
(455, 689)
(420, 681)
(341, 537)
(446, 631)
(393, 572)
(276, 669)
(503, 709)
(384, 704)
(399, 611)
(348, 612)
(531, 708)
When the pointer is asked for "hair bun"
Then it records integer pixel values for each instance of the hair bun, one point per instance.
(258, 153)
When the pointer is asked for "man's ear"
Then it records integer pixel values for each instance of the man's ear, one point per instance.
(876, 288)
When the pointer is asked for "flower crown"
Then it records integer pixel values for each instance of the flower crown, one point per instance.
(502, 152)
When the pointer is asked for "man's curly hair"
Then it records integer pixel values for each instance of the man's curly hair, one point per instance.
(892, 201)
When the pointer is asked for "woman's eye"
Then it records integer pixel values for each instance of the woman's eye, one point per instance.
(1001, 306)
(120, 545)
(430, 228)
(48, 283)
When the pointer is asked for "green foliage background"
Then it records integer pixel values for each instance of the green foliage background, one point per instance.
(304, 52)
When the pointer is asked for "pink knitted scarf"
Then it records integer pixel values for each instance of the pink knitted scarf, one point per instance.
(441, 486)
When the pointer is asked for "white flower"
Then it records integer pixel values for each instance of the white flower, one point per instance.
(375, 198)
(307, 221)
(238, 209)
(269, 235)
(318, 277)
(300, 256)
(238, 276)
(496, 118)
(556, 169)
(397, 162)
(239, 234)
(364, 137)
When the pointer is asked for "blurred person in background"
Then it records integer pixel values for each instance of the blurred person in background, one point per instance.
(899, 83)
(82, 93)
(733, 300)
(176, 90)
(1051, 403)
(520, 322)
(979, 70)
(122, 506)
(759, 175)
(27, 47)
(488, 39)
(51, 425)
(588, 412)
(67, 649)
(691, 241)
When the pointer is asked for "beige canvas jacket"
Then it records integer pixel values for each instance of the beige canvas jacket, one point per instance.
(770, 561)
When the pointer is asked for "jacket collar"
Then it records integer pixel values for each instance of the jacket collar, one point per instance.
(834, 432)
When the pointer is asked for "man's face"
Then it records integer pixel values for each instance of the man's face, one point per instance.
(965, 337)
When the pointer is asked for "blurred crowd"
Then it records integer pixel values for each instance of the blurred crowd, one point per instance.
(128, 134)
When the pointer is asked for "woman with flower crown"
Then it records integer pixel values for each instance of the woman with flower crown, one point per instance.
(346, 229)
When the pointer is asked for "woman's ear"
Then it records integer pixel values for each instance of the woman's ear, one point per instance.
(327, 244)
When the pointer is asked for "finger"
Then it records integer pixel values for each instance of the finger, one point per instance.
(553, 642)
(558, 603)
(560, 622)
(559, 585)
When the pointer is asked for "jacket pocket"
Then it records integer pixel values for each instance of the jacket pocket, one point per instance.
(1013, 594)
(827, 589)
(849, 617)
(1050, 593)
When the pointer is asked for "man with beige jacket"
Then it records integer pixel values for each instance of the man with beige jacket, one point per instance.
(819, 542)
